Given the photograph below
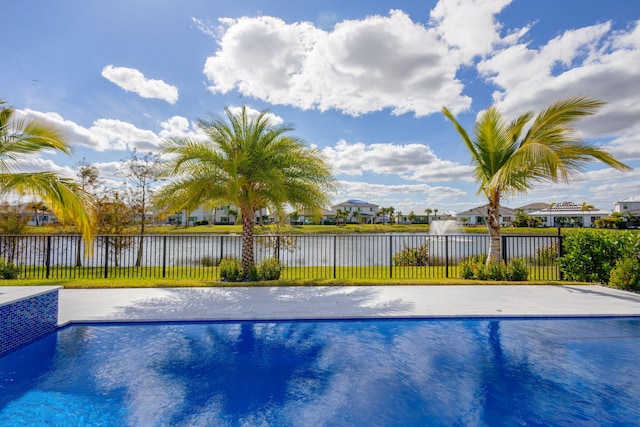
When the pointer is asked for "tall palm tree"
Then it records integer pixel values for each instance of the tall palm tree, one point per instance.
(20, 138)
(250, 163)
(510, 161)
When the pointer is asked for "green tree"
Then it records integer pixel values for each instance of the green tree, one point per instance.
(20, 138)
(249, 162)
(510, 161)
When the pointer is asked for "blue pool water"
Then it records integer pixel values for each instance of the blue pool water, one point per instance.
(351, 373)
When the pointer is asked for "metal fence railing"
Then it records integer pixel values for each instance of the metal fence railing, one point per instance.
(303, 256)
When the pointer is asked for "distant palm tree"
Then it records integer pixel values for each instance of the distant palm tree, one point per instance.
(508, 162)
(247, 162)
(20, 138)
(584, 207)
(428, 211)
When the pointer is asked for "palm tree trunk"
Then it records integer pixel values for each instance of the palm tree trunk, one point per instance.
(247, 244)
(493, 224)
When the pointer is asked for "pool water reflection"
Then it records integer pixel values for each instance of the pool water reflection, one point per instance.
(369, 372)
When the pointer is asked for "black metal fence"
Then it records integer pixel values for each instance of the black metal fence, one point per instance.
(376, 256)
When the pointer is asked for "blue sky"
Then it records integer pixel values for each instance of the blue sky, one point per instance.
(363, 81)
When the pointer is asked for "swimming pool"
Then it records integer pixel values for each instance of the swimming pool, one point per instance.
(534, 372)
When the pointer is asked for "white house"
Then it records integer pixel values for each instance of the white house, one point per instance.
(569, 214)
(354, 208)
(478, 216)
(228, 214)
(630, 209)
(631, 205)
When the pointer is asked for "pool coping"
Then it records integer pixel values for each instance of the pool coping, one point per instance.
(130, 305)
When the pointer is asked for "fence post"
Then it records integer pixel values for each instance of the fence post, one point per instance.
(221, 247)
(106, 256)
(335, 254)
(503, 244)
(446, 256)
(164, 256)
(48, 257)
(560, 253)
(391, 257)
(278, 247)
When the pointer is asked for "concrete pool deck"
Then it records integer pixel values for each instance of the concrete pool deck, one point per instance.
(271, 303)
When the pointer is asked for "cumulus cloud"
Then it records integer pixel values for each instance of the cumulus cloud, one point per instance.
(104, 134)
(133, 80)
(470, 37)
(253, 113)
(413, 161)
(360, 66)
(593, 60)
(37, 164)
(376, 193)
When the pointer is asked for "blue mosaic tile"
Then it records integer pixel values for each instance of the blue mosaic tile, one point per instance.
(27, 320)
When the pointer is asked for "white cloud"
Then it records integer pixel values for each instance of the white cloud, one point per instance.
(401, 196)
(205, 27)
(469, 25)
(413, 161)
(37, 164)
(104, 134)
(360, 66)
(593, 61)
(133, 80)
(253, 113)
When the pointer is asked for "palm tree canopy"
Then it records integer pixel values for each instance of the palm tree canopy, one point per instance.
(20, 138)
(509, 161)
(248, 162)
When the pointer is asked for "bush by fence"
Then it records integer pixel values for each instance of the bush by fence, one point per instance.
(592, 255)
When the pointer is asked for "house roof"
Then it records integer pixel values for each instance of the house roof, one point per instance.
(355, 202)
(533, 207)
(482, 211)
(567, 207)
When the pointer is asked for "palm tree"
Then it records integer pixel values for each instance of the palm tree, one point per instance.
(250, 163)
(508, 162)
(428, 212)
(21, 137)
(584, 207)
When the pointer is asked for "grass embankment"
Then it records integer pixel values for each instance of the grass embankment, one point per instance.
(187, 283)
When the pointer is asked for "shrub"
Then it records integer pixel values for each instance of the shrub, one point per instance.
(207, 261)
(517, 270)
(269, 269)
(547, 255)
(231, 269)
(590, 255)
(497, 270)
(412, 257)
(8, 270)
(475, 267)
(626, 274)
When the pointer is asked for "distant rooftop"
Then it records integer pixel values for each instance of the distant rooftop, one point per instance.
(565, 206)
